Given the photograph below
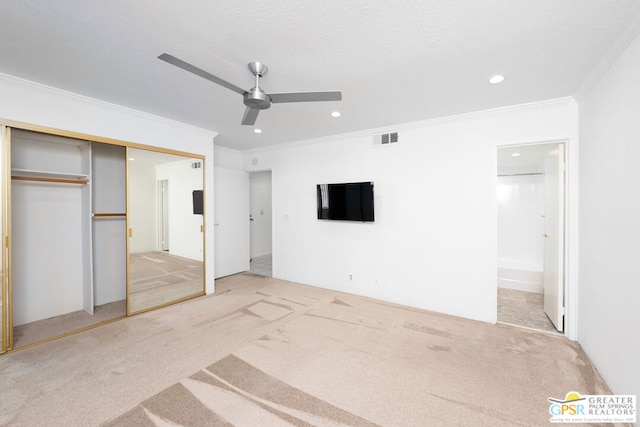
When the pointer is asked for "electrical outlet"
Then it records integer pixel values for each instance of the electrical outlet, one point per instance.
(350, 277)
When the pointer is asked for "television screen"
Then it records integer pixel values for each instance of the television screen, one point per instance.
(346, 202)
(197, 202)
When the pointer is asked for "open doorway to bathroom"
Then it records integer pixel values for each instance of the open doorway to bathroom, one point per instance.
(530, 195)
(260, 223)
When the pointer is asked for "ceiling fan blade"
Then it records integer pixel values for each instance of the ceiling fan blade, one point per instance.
(199, 72)
(250, 116)
(305, 97)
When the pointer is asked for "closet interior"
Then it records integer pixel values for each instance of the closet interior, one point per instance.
(93, 231)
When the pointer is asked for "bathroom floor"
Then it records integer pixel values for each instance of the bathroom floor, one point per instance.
(523, 309)
(261, 265)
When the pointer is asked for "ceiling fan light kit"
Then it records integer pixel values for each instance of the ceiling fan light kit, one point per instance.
(255, 99)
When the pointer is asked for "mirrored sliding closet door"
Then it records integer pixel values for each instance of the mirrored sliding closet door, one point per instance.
(93, 230)
(164, 229)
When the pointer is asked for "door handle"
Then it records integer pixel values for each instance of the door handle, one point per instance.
(544, 234)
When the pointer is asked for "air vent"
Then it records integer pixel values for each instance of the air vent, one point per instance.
(385, 138)
(196, 165)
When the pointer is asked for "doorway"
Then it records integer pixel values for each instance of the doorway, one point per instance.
(531, 201)
(260, 228)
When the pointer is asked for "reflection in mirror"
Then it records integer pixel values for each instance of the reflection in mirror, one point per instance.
(165, 245)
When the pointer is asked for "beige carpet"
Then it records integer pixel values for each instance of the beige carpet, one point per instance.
(43, 329)
(267, 352)
(158, 278)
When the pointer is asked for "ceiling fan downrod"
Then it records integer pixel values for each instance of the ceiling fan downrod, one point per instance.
(256, 98)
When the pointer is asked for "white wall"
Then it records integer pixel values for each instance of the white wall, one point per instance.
(142, 208)
(28, 102)
(227, 158)
(46, 286)
(609, 318)
(434, 242)
(260, 206)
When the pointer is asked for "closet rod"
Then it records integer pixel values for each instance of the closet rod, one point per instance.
(60, 180)
(521, 174)
(107, 215)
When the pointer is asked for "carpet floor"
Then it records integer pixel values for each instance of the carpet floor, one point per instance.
(262, 351)
(58, 325)
(158, 278)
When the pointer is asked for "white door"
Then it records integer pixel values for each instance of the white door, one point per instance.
(554, 236)
(231, 221)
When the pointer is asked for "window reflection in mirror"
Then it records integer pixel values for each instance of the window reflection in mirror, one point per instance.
(166, 242)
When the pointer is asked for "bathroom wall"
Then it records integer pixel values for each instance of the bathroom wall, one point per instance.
(520, 223)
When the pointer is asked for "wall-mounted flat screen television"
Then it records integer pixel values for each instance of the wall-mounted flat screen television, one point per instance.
(351, 201)
(198, 205)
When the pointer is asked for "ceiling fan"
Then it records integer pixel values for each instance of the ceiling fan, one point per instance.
(255, 98)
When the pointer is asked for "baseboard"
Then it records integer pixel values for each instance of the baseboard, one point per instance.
(260, 254)
(520, 280)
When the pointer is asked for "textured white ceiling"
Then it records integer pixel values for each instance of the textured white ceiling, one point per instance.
(395, 62)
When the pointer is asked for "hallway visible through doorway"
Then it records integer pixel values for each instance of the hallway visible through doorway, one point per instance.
(260, 217)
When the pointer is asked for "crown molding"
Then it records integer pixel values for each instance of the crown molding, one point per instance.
(103, 104)
(437, 121)
(622, 43)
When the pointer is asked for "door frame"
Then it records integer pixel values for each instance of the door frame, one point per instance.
(571, 225)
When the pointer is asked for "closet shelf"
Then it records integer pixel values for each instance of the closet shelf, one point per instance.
(46, 176)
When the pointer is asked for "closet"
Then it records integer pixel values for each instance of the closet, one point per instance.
(68, 221)
(50, 207)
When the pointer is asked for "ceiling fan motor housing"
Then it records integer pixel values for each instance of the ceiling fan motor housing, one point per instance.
(256, 98)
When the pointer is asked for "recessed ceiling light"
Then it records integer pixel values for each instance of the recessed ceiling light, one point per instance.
(515, 154)
(131, 158)
(496, 79)
(336, 114)
(257, 130)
